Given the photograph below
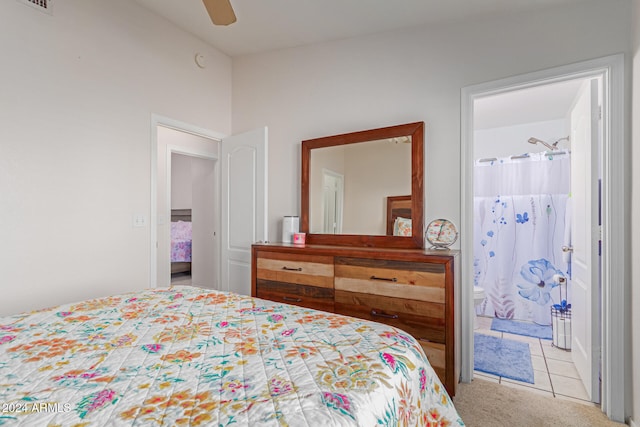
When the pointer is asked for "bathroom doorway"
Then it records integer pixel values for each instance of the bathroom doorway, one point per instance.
(528, 145)
(524, 149)
(610, 329)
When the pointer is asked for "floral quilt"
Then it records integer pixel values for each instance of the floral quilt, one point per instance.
(180, 250)
(186, 356)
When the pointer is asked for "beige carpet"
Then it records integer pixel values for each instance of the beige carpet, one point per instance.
(486, 404)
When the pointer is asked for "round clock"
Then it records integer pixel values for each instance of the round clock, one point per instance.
(441, 233)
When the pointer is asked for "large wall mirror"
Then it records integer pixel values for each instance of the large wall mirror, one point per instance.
(365, 188)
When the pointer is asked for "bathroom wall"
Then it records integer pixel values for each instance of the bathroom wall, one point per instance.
(512, 140)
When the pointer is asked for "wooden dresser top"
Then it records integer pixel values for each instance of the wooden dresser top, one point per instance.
(432, 255)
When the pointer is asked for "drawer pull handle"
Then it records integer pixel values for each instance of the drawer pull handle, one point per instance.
(386, 316)
(289, 299)
(386, 279)
(292, 269)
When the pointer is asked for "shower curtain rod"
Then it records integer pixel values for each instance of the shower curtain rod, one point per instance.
(555, 153)
(523, 156)
(548, 153)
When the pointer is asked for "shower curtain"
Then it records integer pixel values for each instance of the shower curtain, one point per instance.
(521, 222)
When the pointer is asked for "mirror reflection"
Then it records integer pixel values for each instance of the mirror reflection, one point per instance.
(361, 189)
(351, 186)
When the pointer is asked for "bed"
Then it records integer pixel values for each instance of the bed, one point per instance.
(181, 241)
(185, 356)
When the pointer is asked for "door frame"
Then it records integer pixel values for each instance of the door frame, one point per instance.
(158, 120)
(614, 259)
(339, 206)
(198, 154)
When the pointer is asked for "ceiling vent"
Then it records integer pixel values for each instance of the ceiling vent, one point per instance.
(42, 5)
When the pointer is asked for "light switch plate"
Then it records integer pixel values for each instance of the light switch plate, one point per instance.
(139, 220)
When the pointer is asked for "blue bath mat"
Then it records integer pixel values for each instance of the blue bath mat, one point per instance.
(521, 328)
(502, 357)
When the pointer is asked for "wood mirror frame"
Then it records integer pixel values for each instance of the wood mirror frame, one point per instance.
(416, 240)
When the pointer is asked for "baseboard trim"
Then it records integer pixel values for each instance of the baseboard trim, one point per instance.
(632, 423)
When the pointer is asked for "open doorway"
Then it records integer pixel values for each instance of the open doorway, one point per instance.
(332, 201)
(532, 164)
(188, 208)
(239, 195)
(193, 218)
(611, 330)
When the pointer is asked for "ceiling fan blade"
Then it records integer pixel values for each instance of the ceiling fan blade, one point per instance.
(220, 11)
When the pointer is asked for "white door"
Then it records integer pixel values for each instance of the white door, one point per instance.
(244, 205)
(204, 259)
(585, 298)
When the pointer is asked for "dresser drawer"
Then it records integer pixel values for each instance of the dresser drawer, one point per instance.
(399, 279)
(407, 295)
(301, 269)
(315, 297)
(409, 315)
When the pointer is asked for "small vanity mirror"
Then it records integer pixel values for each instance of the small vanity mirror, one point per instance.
(364, 188)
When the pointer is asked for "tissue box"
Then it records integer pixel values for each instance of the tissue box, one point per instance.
(299, 238)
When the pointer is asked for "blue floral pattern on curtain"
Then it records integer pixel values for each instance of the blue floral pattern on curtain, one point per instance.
(518, 235)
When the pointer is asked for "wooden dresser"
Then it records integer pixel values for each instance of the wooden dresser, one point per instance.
(411, 289)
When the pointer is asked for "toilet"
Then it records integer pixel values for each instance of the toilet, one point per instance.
(478, 296)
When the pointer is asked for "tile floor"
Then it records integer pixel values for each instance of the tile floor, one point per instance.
(554, 372)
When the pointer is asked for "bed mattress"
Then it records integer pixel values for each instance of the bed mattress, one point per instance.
(185, 356)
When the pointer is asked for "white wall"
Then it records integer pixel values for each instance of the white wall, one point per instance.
(373, 172)
(78, 92)
(635, 226)
(181, 182)
(509, 140)
(405, 76)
